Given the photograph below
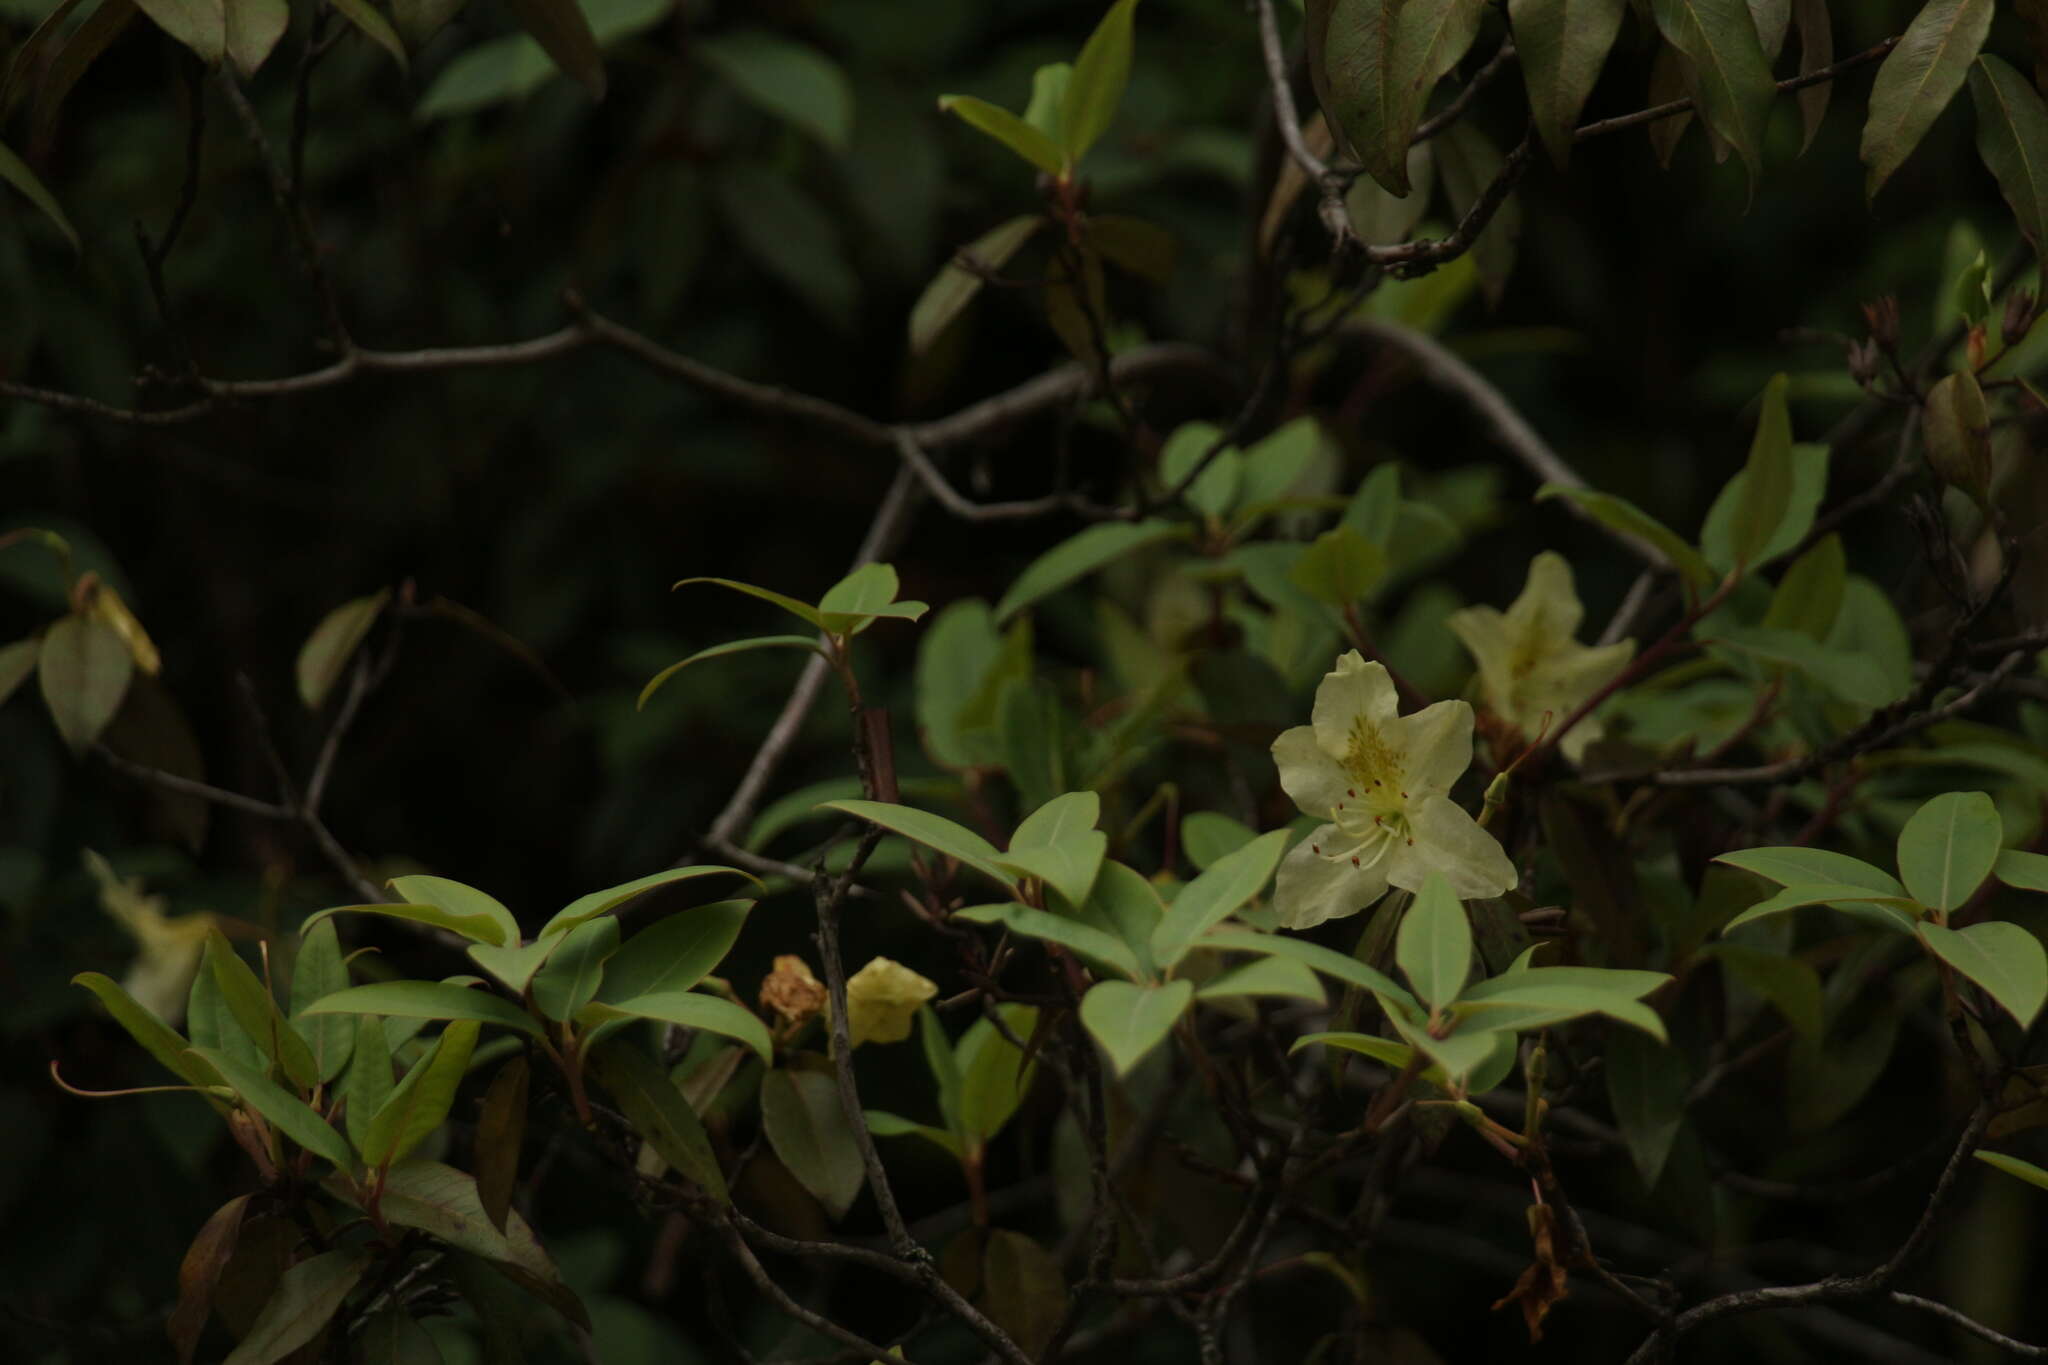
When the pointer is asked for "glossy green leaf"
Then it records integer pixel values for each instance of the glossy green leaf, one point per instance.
(454, 898)
(16, 172)
(935, 832)
(852, 603)
(2012, 140)
(1949, 847)
(806, 1126)
(420, 1102)
(318, 972)
(1215, 489)
(659, 1113)
(1895, 912)
(1096, 86)
(1809, 597)
(1806, 866)
(1269, 976)
(994, 1075)
(1767, 486)
(955, 286)
(159, 1039)
(1458, 1055)
(285, 1111)
(333, 643)
(1628, 984)
(307, 1297)
(612, 897)
(1078, 556)
(1382, 1050)
(368, 1082)
(1523, 1003)
(1730, 80)
(569, 979)
(1215, 895)
(515, 966)
(803, 642)
(1374, 64)
(674, 953)
(199, 25)
(426, 1000)
(252, 1006)
(693, 1009)
(1620, 515)
(1434, 944)
(1006, 128)
(795, 83)
(1328, 961)
(83, 669)
(1130, 1020)
(1809, 486)
(803, 611)
(1646, 1086)
(371, 23)
(1082, 938)
(1069, 867)
(253, 28)
(2006, 960)
(2012, 1165)
(1206, 836)
(2018, 869)
(477, 926)
(882, 1124)
(210, 1023)
(1339, 568)
(1562, 44)
(1918, 79)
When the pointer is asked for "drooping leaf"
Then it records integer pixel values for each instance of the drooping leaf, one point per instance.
(674, 953)
(286, 1111)
(159, 1039)
(307, 1297)
(1789, 983)
(1622, 515)
(17, 664)
(563, 31)
(372, 24)
(955, 286)
(2006, 960)
(327, 651)
(659, 1113)
(806, 1126)
(1730, 79)
(1562, 44)
(795, 83)
(16, 172)
(253, 28)
(935, 832)
(83, 670)
(1918, 79)
(200, 25)
(1374, 64)
(1949, 847)
(1078, 556)
(2012, 140)
(199, 1273)
(1469, 163)
(426, 1000)
(803, 642)
(1130, 1020)
(500, 1133)
(1816, 50)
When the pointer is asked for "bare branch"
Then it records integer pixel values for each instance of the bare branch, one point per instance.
(1656, 113)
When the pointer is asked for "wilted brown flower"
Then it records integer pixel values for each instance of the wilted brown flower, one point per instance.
(791, 991)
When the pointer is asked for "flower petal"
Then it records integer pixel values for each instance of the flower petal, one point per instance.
(1353, 691)
(1490, 640)
(1435, 745)
(1308, 774)
(1549, 606)
(1312, 888)
(1449, 841)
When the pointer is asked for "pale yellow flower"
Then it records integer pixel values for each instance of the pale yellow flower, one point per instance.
(1530, 665)
(882, 1000)
(169, 946)
(1382, 780)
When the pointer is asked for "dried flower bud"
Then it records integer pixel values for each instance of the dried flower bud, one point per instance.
(2020, 309)
(1864, 362)
(791, 991)
(1882, 317)
(881, 1000)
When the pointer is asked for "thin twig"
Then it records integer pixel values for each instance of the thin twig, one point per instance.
(1656, 113)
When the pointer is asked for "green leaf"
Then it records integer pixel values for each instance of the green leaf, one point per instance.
(1048, 95)
(500, 1132)
(456, 899)
(17, 663)
(1434, 944)
(1809, 486)
(1206, 836)
(1791, 985)
(15, 172)
(476, 926)
(2018, 869)
(1084, 939)
(83, 669)
(1849, 676)
(1918, 79)
(804, 642)
(514, 966)
(612, 897)
(392, 1336)
(201, 25)
(935, 832)
(1621, 515)
(1767, 489)
(368, 1083)
(1809, 597)
(419, 1104)
(159, 1039)
(954, 287)
(1803, 866)
(319, 971)
(1216, 894)
(569, 979)
(252, 1006)
(1949, 847)
(426, 1000)
(1894, 912)
(942, 1063)
(854, 603)
(1339, 568)
(1078, 556)
(1096, 87)
(803, 611)
(1058, 820)
(1269, 976)
(374, 26)
(1628, 984)
(801, 1114)
(1458, 1055)
(1130, 1020)
(286, 1111)
(1562, 44)
(994, 1075)
(882, 1124)
(1374, 64)
(797, 84)
(1956, 434)
(1006, 128)
(253, 28)
(2006, 960)
(1215, 489)
(307, 1297)
(1468, 162)
(1328, 961)
(1731, 82)
(674, 953)
(694, 1010)
(2012, 1165)
(2012, 141)
(1646, 1085)
(1023, 1288)
(1069, 867)
(563, 31)
(659, 1113)
(1816, 51)
(327, 651)
(1382, 1050)
(1523, 1003)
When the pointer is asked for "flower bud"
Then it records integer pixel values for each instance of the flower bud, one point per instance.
(1882, 317)
(1864, 362)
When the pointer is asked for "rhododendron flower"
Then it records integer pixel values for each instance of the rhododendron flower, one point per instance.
(169, 947)
(1529, 662)
(882, 999)
(1382, 781)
